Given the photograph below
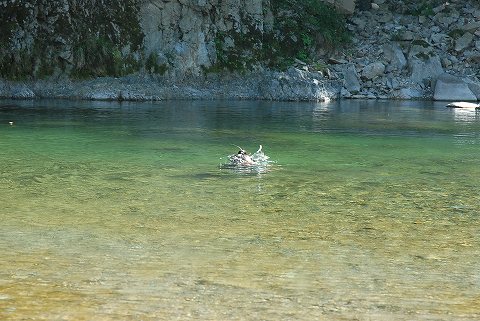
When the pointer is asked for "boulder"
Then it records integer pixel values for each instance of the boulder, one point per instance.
(452, 88)
(438, 38)
(464, 41)
(350, 79)
(344, 93)
(420, 49)
(394, 54)
(373, 70)
(474, 86)
(422, 70)
(406, 36)
(471, 27)
(392, 83)
(407, 93)
(344, 6)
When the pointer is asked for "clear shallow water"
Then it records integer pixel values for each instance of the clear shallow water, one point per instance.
(121, 211)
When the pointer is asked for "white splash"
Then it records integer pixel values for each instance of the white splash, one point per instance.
(242, 161)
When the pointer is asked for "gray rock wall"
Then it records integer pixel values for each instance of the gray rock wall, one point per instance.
(399, 50)
(75, 37)
(182, 33)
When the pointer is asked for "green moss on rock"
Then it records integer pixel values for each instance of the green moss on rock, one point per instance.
(81, 39)
(301, 27)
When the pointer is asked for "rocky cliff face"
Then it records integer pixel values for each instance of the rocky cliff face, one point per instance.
(116, 37)
(91, 38)
(401, 49)
(159, 46)
(184, 34)
(83, 38)
(189, 37)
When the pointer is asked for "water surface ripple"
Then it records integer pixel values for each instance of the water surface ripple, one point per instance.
(121, 211)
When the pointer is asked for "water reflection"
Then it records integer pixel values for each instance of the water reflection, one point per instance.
(466, 119)
(466, 115)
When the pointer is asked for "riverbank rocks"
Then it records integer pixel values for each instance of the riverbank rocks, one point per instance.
(399, 50)
(351, 80)
(16, 90)
(394, 56)
(186, 31)
(425, 70)
(297, 85)
(464, 41)
(291, 85)
(452, 88)
(373, 70)
(345, 6)
(400, 55)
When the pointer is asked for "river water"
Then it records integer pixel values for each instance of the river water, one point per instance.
(122, 211)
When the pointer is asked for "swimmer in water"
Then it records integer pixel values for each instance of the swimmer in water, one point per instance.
(241, 158)
(244, 158)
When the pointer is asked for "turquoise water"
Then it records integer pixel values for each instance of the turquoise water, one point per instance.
(121, 211)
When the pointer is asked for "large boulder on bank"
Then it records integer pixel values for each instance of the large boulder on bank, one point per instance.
(350, 79)
(373, 70)
(452, 88)
(394, 54)
(474, 86)
(422, 70)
